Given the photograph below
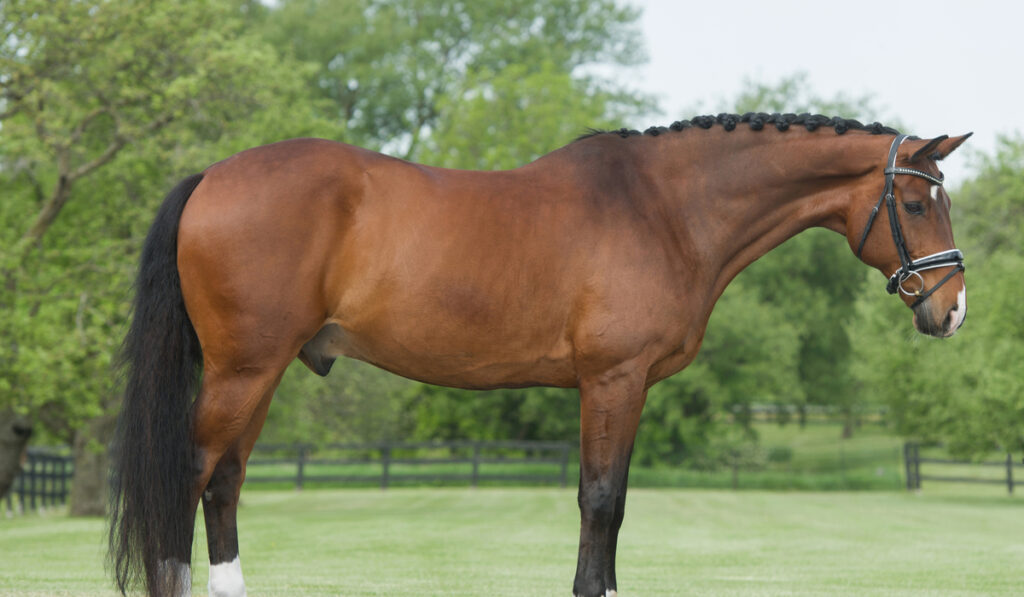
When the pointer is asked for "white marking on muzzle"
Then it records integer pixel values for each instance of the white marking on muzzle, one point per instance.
(226, 579)
(961, 310)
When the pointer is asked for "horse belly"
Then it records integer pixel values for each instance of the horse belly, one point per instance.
(433, 346)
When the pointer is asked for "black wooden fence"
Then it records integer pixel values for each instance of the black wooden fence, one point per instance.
(389, 464)
(912, 462)
(44, 481)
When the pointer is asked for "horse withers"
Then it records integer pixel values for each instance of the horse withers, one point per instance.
(596, 267)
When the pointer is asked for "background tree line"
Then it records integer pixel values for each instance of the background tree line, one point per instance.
(104, 105)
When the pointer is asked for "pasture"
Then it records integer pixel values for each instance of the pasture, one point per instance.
(491, 541)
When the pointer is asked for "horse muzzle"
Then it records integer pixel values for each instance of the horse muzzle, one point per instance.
(938, 321)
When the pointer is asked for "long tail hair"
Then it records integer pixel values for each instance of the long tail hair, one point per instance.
(153, 462)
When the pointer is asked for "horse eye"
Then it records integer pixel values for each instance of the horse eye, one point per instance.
(914, 208)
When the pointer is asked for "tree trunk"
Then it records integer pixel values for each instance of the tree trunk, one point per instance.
(89, 483)
(15, 430)
(848, 424)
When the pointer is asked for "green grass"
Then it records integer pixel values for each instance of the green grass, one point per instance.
(963, 540)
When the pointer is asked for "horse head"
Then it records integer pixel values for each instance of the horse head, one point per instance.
(918, 256)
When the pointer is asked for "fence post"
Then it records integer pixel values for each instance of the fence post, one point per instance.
(385, 462)
(906, 466)
(51, 482)
(21, 491)
(300, 474)
(1009, 473)
(63, 481)
(476, 463)
(46, 467)
(33, 488)
(917, 466)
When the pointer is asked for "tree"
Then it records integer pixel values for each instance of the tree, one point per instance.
(393, 70)
(81, 83)
(506, 119)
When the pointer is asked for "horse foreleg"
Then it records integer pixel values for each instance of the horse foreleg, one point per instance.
(228, 418)
(610, 412)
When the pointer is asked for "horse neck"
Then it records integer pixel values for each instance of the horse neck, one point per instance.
(745, 192)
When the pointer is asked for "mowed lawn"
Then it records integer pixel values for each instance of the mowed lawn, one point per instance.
(453, 541)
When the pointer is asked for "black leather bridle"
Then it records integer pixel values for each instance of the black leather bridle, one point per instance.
(909, 267)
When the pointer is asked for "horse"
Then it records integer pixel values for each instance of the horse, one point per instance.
(595, 267)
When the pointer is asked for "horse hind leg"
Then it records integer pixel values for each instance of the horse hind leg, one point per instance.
(228, 417)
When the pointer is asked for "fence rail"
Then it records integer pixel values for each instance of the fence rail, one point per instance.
(43, 482)
(912, 462)
(388, 464)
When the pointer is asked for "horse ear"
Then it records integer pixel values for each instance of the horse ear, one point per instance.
(939, 147)
(928, 148)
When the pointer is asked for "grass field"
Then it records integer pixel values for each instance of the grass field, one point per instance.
(465, 542)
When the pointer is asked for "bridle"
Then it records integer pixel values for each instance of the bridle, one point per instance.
(909, 268)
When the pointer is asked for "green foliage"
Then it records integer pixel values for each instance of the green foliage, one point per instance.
(394, 71)
(988, 211)
(103, 105)
(356, 403)
(532, 413)
(514, 116)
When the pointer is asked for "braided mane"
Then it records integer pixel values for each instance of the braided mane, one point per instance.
(756, 121)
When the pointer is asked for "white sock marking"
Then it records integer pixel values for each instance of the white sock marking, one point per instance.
(226, 579)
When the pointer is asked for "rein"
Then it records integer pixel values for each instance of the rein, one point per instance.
(909, 268)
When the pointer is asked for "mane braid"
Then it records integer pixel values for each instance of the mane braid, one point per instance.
(757, 121)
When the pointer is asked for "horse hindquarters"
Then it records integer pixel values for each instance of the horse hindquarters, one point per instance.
(170, 455)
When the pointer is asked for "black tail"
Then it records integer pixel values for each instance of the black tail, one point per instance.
(151, 482)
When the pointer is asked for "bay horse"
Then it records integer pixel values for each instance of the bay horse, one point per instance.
(595, 267)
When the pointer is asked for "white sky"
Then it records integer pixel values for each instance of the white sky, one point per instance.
(940, 67)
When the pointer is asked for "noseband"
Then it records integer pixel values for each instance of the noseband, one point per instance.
(909, 268)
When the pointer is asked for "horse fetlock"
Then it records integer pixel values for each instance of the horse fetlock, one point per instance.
(599, 592)
(226, 579)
